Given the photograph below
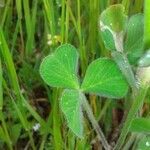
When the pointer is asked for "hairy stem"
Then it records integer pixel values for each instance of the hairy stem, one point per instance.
(133, 111)
(94, 123)
(124, 65)
(122, 61)
(129, 142)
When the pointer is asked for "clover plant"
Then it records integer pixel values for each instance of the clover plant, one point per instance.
(102, 77)
(107, 77)
(124, 37)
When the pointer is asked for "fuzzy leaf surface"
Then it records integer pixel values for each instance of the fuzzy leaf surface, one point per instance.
(140, 125)
(144, 143)
(134, 38)
(60, 68)
(71, 107)
(103, 77)
(112, 22)
(114, 17)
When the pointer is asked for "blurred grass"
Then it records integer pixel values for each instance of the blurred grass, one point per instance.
(147, 25)
(24, 99)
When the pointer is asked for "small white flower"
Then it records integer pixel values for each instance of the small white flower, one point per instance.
(147, 144)
(36, 127)
(49, 42)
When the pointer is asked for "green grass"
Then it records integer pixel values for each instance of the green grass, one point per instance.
(26, 100)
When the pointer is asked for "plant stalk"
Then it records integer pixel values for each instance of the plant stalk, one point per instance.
(130, 141)
(124, 65)
(137, 103)
(9, 142)
(94, 123)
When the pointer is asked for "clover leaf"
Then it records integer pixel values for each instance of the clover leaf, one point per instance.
(103, 77)
(70, 104)
(114, 17)
(60, 68)
(112, 24)
(141, 125)
(134, 44)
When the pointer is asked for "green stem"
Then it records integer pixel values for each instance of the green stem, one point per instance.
(126, 4)
(1, 88)
(5, 13)
(67, 22)
(125, 67)
(94, 123)
(58, 141)
(31, 140)
(130, 142)
(63, 21)
(103, 111)
(133, 111)
(49, 11)
(81, 41)
(9, 142)
(43, 142)
(1, 110)
(21, 117)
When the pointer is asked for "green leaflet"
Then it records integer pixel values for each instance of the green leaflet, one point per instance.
(114, 17)
(140, 125)
(134, 38)
(144, 143)
(112, 24)
(103, 77)
(60, 69)
(108, 40)
(71, 107)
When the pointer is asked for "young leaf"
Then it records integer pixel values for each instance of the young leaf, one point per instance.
(140, 125)
(60, 69)
(134, 39)
(71, 107)
(108, 39)
(103, 77)
(114, 17)
(112, 24)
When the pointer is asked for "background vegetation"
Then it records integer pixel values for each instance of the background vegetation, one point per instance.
(30, 30)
